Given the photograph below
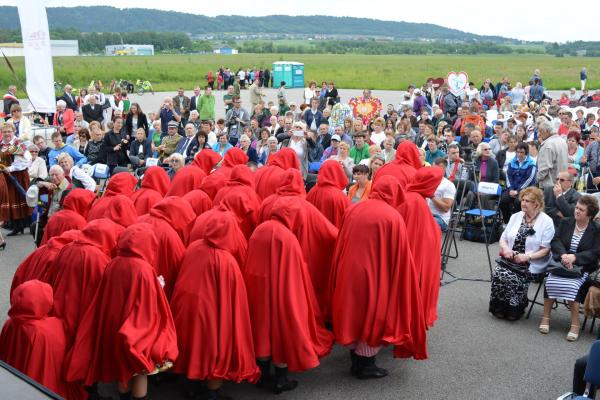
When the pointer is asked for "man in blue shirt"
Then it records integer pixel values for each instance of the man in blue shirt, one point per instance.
(60, 147)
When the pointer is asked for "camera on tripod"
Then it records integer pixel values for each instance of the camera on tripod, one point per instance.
(467, 154)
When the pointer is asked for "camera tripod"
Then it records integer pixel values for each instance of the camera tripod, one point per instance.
(449, 241)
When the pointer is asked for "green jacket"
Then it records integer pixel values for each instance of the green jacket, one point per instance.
(359, 154)
(206, 107)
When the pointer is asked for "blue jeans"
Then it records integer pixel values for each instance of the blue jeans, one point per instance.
(442, 224)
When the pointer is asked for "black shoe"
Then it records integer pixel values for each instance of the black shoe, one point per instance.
(282, 383)
(368, 370)
(354, 365)
(266, 379)
(16, 231)
(3, 245)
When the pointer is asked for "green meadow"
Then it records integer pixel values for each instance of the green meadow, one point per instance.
(391, 72)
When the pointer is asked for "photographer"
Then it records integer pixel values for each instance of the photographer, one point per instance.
(236, 119)
(167, 114)
(116, 146)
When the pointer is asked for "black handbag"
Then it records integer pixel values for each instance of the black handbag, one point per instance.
(518, 269)
(557, 268)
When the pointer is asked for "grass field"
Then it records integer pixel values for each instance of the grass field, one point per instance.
(168, 72)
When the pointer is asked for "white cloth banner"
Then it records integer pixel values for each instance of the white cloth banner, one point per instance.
(38, 59)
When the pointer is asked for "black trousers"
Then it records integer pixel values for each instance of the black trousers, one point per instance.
(578, 380)
(509, 205)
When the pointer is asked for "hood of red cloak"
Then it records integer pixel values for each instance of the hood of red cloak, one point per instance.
(238, 202)
(185, 180)
(122, 211)
(80, 201)
(288, 211)
(31, 300)
(121, 183)
(291, 183)
(234, 156)
(139, 241)
(212, 183)
(285, 158)
(426, 181)
(199, 200)
(176, 211)
(157, 179)
(103, 234)
(332, 174)
(206, 160)
(388, 189)
(241, 175)
(58, 242)
(217, 232)
(408, 153)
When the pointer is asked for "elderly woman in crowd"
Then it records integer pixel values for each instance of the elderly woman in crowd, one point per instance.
(81, 141)
(222, 144)
(64, 119)
(249, 150)
(362, 187)
(176, 162)
(524, 248)
(95, 147)
(575, 243)
(343, 157)
(261, 143)
(272, 147)
(75, 175)
(38, 168)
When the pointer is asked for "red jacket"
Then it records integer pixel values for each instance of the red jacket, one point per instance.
(68, 120)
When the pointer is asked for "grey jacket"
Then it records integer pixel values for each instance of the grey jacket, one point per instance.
(552, 159)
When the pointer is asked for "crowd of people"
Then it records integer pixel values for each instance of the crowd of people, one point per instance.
(280, 231)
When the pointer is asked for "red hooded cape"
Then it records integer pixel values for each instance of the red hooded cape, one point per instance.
(328, 195)
(241, 178)
(73, 215)
(212, 183)
(80, 266)
(178, 213)
(185, 180)
(374, 283)
(35, 343)
(210, 310)
(121, 210)
(405, 165)
(290, 184)
(121, 183)
(267, 178)
(128, 328)
(38, 263)
(244, 205)
(236, 245)
(154, 187)
(199, 200)
(206, 160)
(286, 320)
(425, 236)
(234, 156)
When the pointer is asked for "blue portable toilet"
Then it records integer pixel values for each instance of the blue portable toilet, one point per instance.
(291, 72)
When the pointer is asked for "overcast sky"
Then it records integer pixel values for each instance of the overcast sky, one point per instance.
(521, 19)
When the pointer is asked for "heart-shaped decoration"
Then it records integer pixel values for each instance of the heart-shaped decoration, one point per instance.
(457, 82)
(436, 82)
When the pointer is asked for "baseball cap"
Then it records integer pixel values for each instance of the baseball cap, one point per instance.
(173, 124)
(336, 137)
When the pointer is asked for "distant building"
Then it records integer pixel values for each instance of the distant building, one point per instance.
(129, 50)
(225, 50)
(58, 48)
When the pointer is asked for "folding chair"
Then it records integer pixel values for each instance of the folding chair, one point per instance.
(100, 175)
(535, 297)
(491, 217)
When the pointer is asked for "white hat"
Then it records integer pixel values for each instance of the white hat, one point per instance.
(31, 197)
(417, 91)
(336, 137)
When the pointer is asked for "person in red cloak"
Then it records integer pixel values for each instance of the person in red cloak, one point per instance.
(199, 200)
(186, 179)
(374, 284)
(210, 310)
(80, 266)
(121, 183)
(234, 156)
(242, 179)
(154, 187)
(35, 343)
(38, 263)
(73, 215)
(244, 205)
(213, 183)
(206, 160)
(165, 217)
(127, 331)
(290, 184)
(121, 210)
(425, 236)
(328, 195)
(287, 326)
(267, 178)
(404, 166)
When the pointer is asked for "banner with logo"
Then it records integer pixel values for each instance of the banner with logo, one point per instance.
(38, 58)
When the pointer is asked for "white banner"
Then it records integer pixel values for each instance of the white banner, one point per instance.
(38, 59)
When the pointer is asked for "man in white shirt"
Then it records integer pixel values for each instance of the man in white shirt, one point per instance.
(443, 199)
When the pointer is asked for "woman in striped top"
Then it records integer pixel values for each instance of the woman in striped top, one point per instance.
(576, 242)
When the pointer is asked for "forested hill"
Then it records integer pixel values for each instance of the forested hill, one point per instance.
(111, 19)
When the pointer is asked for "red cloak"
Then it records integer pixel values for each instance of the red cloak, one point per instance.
(286, 321)
(328, 195)
(290, 184)
(234, 156)
(178, 212)
(170, 246)
(80, 266)
(244, 204)
(38, 263)
(121, 210)
(212, 183)
(374, 283)
(185, 180)
(73, 215)
(425, 236)
(267, 178)
(199, 200)
(128, 328)
(206, 160)
(241, 178)
(35, 343)
(154, 187)
(404, 166)
(236, 244)
(121, 183)
(210, 310)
